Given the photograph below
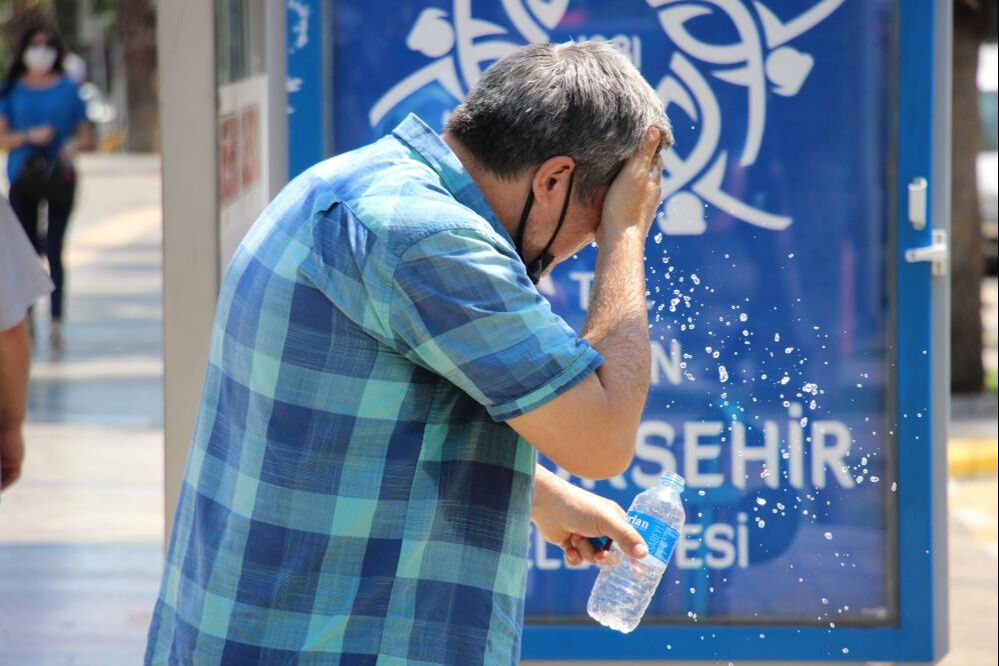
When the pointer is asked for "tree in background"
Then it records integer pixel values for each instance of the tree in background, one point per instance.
(16, 17)
(117, 38)
(971, 26)
(136, 29)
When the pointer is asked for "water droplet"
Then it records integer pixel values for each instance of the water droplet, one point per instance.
(828, 536)
(722, 374)
(658, 238)
(761, 501)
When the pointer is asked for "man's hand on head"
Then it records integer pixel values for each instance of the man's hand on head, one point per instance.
(634, 195)
(590, 429)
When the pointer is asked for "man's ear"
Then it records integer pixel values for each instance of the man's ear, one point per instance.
(551, 180)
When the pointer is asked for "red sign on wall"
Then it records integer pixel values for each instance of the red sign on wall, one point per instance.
(251, 145)
(239, 152)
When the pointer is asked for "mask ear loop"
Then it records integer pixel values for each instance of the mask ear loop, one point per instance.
(537, 267)
(523, 224)
(561, 217)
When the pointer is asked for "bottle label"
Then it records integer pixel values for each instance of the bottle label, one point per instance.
(659, 537)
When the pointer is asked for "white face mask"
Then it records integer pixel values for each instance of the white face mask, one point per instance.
(40, 59)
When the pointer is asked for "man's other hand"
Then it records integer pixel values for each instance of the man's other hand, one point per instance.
(567, 516)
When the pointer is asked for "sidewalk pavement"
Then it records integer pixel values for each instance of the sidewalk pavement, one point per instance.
(111, 368)
(81, 533)
(972, 449)
(81, 546)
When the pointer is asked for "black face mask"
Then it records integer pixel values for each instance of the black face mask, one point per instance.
(538, 266)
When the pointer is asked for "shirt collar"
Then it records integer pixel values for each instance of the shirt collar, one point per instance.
(438, 155)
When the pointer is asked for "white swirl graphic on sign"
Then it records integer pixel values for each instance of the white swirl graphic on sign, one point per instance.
(760, 60)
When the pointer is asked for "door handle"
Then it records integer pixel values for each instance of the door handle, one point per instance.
(935, 253)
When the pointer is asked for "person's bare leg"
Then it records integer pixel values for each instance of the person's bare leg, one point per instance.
(15, 361)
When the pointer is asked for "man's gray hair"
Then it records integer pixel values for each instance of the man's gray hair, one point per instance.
(585, 100)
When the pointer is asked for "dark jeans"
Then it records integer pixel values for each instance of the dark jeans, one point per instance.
(26, 209)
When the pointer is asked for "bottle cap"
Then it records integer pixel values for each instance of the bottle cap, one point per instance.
(673, 479)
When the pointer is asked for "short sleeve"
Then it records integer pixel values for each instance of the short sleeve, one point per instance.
(22, 278)
(79, 107)
(464, 308)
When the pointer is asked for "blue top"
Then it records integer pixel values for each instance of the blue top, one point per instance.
(353, 493)
(58, 105)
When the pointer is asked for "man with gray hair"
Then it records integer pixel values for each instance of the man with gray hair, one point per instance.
(383, 372)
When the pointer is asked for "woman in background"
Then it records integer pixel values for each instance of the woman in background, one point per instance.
(43, 124)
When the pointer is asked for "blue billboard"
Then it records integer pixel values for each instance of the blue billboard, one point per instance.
(773, 298)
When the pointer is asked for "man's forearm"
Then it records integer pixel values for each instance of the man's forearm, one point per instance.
(617, 324)
(15, 358)
(15, 355)
(545, 488)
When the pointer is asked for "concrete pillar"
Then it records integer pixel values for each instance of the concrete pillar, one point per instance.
(193, 256)
(186, 51)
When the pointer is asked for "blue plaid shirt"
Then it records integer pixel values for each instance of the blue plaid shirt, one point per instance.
(352, 494)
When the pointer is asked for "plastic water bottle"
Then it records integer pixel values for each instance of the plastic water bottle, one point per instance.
(625, 586)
